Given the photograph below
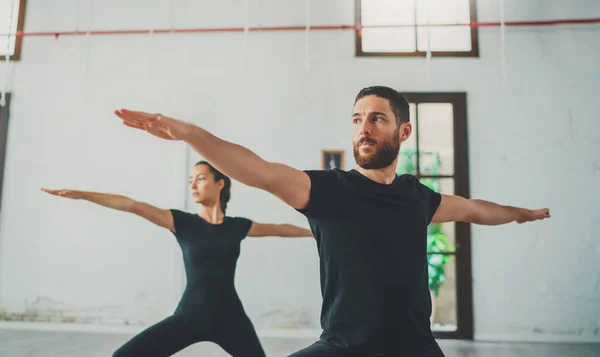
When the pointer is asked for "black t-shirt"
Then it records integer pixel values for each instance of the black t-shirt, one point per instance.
(210, 253)
(372, 242)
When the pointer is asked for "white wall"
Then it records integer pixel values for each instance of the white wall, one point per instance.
(529, 142)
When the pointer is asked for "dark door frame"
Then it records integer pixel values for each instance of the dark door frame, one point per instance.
(464, 288)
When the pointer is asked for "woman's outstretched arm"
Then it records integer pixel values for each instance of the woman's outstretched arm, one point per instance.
(278, 230)
(158, 216)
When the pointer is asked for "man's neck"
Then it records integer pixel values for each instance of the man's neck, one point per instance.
(384, 175)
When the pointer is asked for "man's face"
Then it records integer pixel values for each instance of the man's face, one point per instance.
(377, 137)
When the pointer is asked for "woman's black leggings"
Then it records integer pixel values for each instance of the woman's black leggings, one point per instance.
(237, 337)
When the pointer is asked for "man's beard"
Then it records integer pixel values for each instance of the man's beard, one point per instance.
(385, 152)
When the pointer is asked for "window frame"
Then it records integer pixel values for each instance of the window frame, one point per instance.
(474, 52)
(16, 56)
(4, 116)
(462, 253)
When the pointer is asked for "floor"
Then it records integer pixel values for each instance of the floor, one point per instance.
(28, 343)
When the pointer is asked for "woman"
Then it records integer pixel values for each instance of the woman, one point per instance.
(210, 309)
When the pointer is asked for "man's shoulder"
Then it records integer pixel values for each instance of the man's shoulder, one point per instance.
(329, 175)
(408, 178)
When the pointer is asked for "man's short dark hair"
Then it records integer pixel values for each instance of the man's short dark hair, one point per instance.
(397, 101)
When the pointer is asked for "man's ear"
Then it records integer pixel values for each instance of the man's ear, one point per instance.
(405, 131)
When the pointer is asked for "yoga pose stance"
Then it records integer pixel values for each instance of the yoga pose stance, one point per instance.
(210, 309)
(370, 225)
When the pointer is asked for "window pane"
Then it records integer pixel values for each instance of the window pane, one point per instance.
(11, 48)
(444, 38)
(436, 138)
(386, 39)
(443, 12)
(387, 12)
(441, 237)
(442, 285)
(5, 6)
(407, 160)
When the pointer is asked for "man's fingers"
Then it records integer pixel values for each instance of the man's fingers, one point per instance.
(544, 213)
(130, 118)
(126, 118)
(156, 131)
(137, 114)
(534, 215)
(133, 118)
(144, 121)
(134, 125)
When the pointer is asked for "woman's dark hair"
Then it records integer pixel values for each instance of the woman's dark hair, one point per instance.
(226, 190)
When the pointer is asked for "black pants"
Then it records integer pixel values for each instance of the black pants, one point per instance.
(323, 349)
(237, 337)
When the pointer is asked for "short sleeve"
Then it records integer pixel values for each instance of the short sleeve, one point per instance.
(432, 198)
(183, 223)
(243, 226)
(324, 191)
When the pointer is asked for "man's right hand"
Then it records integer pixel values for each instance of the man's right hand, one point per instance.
(155, 124)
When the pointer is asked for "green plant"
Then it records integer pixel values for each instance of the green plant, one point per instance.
(406, 162)
(436, 263)
(437, 241)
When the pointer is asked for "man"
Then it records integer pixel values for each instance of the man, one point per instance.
(370, 226)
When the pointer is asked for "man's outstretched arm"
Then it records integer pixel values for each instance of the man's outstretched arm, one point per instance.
(290, 185)
(459, 209)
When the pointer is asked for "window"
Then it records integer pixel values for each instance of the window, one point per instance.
(415, 27)
(436, 153)
(11, 44)
(3, 136)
